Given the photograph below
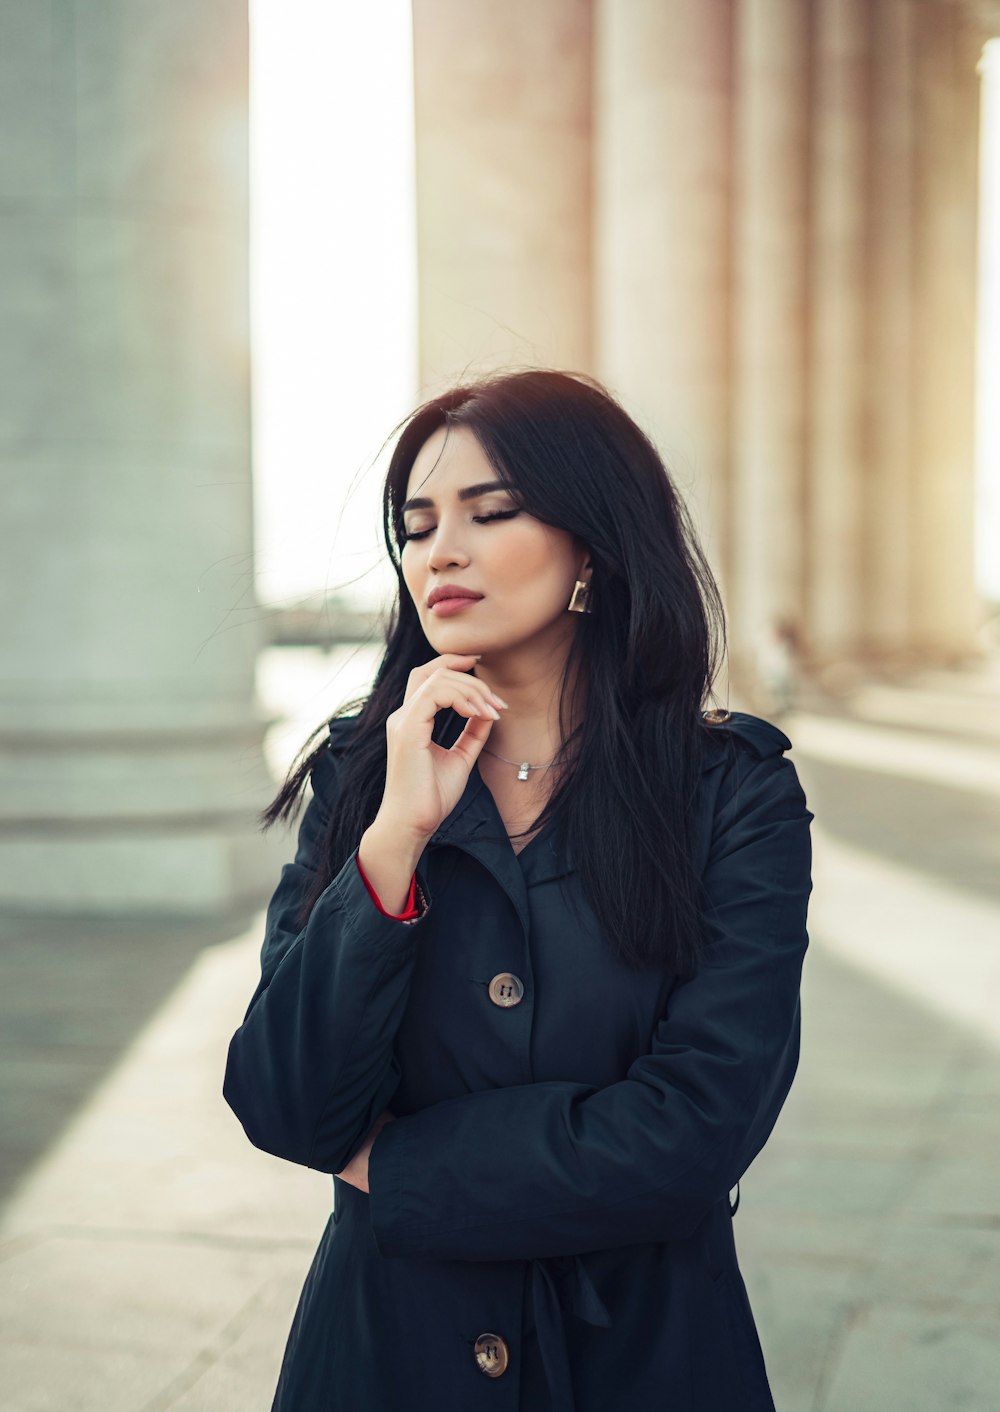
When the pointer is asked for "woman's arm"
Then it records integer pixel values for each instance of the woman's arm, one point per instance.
(561, 1168)
(311, 1067)
(410, 911)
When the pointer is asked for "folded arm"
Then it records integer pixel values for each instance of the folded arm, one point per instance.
(311, 1067)
(561, 1168)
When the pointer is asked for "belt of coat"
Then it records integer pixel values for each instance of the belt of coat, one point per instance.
(561, 1285)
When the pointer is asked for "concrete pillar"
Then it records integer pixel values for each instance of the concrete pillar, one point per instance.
(988, 321)
(771, 162)
(130, 746)
(885, 627)
(942, 594)
(503, 130)
(944, 604)
(663, 161)
(835, 497)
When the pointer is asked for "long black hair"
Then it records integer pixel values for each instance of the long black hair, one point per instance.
(649, 649)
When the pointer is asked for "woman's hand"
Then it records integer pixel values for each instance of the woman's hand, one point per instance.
(424, 781)
(356, 1171)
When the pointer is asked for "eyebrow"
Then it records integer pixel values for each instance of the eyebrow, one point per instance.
(468, 492)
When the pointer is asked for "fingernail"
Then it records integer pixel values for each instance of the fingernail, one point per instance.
(494, 714)
(499, 699)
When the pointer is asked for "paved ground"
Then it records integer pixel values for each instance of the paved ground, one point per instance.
(150, 1258)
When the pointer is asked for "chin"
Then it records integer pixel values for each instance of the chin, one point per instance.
(458, 647)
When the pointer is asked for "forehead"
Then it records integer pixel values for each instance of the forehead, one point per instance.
(449, 458)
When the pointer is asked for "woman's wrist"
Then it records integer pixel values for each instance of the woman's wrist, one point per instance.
(411, 910)
(389, 858)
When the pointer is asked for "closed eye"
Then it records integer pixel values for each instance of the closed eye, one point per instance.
(479, 519)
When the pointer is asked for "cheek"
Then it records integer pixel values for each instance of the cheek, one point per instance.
(533, 561)
(523, 555)
(411, 574)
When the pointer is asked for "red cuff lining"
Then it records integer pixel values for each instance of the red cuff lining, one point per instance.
(410, 911)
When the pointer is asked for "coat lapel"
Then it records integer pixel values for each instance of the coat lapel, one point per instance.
(476, 827)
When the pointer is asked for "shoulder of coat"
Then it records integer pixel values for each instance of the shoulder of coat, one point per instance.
(744, 731)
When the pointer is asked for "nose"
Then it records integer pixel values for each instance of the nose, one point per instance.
(444, 552)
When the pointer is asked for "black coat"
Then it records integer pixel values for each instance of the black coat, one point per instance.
(549, 1225)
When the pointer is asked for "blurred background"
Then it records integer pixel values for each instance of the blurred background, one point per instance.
(238, 244)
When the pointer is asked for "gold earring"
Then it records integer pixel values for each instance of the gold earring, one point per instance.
(580, 603)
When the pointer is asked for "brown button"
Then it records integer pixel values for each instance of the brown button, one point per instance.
(506, 989)
(492, 1355)
(716, 717)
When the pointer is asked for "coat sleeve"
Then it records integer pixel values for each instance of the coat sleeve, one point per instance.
(562, 1168)
(311, 1066)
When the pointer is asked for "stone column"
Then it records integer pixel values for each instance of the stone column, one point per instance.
(884, 631)
(988, 319)
(663, 158)
(502, 94)
(835, 498)
(131, 763)
(771, 162)
(943, 600)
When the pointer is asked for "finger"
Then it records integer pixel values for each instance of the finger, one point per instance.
(473, 687)
(441, 691)
(470, 743)
(460, 661)
(488, 693)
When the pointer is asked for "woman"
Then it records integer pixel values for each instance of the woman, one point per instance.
(530, 988)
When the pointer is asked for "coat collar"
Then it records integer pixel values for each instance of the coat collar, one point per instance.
(475, 825)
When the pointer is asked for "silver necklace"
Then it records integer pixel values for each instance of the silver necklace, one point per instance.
(522, 765)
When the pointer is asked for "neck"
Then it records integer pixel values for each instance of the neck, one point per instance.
(529, 682)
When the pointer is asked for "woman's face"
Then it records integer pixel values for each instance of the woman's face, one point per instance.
(525, 570)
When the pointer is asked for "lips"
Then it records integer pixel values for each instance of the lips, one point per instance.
(445, 591)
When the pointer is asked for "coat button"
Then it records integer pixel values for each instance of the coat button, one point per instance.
(492, 1355)
(716, 717)
(506, 989)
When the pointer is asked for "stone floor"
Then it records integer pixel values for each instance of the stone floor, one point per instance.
(150, 1258)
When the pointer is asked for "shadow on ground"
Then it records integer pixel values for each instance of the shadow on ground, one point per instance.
(75, 995)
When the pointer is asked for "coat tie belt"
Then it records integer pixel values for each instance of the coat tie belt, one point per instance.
(562, 1285)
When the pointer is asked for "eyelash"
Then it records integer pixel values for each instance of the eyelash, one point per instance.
(479, 519)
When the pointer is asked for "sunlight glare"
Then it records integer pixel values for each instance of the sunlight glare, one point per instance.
(333, 285)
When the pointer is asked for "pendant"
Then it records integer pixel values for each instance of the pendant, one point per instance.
(522, 771)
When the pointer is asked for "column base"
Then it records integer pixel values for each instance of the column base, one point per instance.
(207, 871)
